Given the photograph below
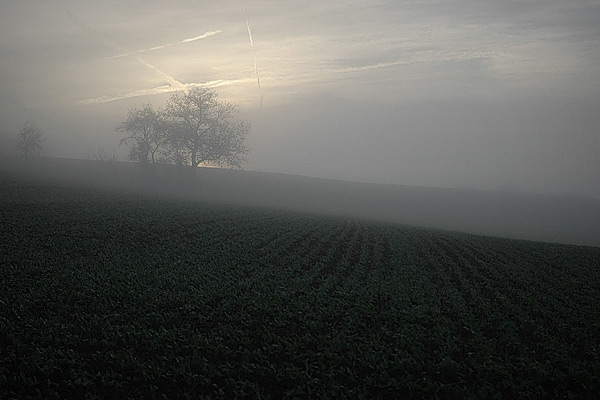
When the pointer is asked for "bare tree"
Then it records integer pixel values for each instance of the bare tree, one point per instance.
(146, 129)
(102, 155)
(207, 129)
(173, 151)
(30, 139)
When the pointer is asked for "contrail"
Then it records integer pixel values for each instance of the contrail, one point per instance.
(252, 45)
(172, 81)
(248, 25)
(256, 72)
(203, 36)
(90, 31)
(173, 84)
(109, 43)
(160, 90)
(188, 40)
(369, 67)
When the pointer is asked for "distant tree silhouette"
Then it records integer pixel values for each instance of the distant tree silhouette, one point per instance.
(146, 129)
(207, 129)
(30, 139)
(102, 155)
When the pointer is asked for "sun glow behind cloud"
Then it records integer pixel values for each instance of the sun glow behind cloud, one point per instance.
(357, 45)
(172, 84)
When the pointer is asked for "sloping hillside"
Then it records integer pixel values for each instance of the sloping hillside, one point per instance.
(516, 215)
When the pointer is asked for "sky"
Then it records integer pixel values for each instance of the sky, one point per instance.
(463, 94)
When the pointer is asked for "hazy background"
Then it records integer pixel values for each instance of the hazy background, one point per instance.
(468, 93)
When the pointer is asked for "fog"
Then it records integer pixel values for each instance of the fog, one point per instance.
(523, 144)
(556, 219)
(476, 94)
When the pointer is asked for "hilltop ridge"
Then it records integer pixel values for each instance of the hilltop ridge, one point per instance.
(568, 220)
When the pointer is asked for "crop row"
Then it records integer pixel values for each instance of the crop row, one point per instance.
(115, 295)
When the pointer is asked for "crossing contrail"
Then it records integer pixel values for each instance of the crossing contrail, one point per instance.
(252, 45)
(173, 85)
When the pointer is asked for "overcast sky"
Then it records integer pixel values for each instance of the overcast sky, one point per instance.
(466, 93)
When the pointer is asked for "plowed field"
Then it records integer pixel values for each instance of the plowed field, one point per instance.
(107, 295)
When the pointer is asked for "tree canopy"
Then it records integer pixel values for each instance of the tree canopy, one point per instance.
(30, 138)
(146, 129)
(208, 129)
(194, 125)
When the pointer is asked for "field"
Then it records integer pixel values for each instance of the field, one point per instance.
(116, 295)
